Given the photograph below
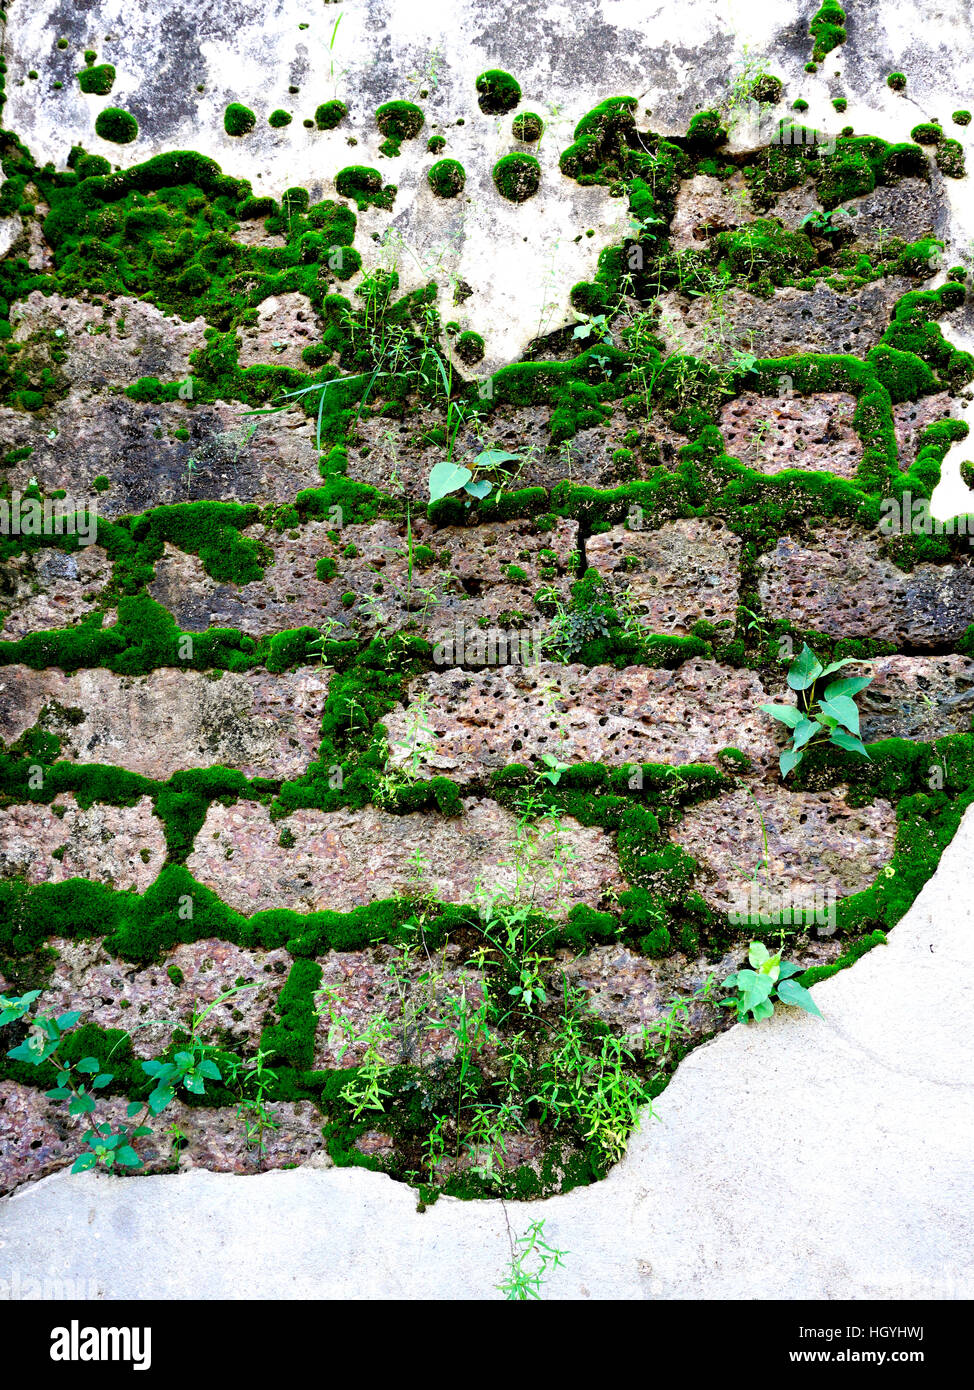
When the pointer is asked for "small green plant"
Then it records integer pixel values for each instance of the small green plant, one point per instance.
(531, 1259)
(446, 476)
(238, 119)
(832, 717)
(769, 979)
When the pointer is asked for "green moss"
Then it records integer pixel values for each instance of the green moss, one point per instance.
(950, 159)
(799, 105)
(517, 177)
(499, 92)
(447, 178)
(827, 29)
(399, 120)
(839, 103)
(469, 347)
(527, 127)
(238, 119)
(97, 81)
(707, 131)
(116, 125)
(435, 143)
(330, 114)
(896, 81)
(927, 133)
(364, 186)
(961, 117)
(766, 90)
(279, 119)
(175, 974)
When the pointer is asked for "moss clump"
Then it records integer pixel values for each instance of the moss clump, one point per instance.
(447, 178)
(961, 118)
(800, 105)
(399, 120)
(97, 81)
(279, 119)
(517, 177)
(330, 114)
(175, 974)
(839, 103)
(896, 81)
(238, 119)
(364, 186)
(707, 132)
(950, 159)
(469, 347)
(527, 127)
(116, 125)
(499, 92)
(827, 29)
(435, 143)
(927, 133)
(767, 89)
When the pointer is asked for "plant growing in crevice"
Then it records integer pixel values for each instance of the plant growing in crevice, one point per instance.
(768, 979)
(832, 717)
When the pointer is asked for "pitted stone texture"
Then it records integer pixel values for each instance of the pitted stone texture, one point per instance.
(486, 719)
(910, 208)
(842, 585)
(145, 1002)
(814, 841)
(123, 846)
(917, 697)
(791, 321)
(344, 859)
(468, 579)
(706, 206)
(49, 588)
(228, 456)
(911, 418)
(774, 433)
(412, 993)
(286, 324)
(37, 1137)
(114, 343)
(686, 571)
(261, 724)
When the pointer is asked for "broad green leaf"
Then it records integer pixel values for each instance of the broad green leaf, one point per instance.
(851, 686)
(446, 477)
(787, 969)
(82, 1162)
(806, 669)
(807, 729)
(763, 1010)
(88, 1065)
(838, 665)
(849, 742)
(787, 714)
(754, 988)
(133, 1108)
(68, 1020)
(791, 992)
(128, 1157)
(844, 710)
(789, 760)
(160, 1098)
(59, 1093)
(81, 1105)
(479, 489)
(209, 1069)
(758, 953)
(102, 1079)
(490, 458)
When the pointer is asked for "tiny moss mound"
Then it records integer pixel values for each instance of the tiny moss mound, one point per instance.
(238, 119)
(517, 177)
(399, 120)
(470, 347)
(435, 143)
(116, 125)
(499, 92)
(897, 81)
(364, 185)
(279, 119)
(961, 118)
(447, 178)
(330, 114)
(527, 128)
(97, 81)
(827, 29)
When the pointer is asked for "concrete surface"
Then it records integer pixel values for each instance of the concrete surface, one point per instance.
(798, 1158)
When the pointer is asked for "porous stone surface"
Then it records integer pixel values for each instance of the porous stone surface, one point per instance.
(225, 456)
(122, 846)
(286, 324)
(112, 342)
(474, 574)
(918, 697)
(842, 584)
(790, 321)
(48, 588)
(814, 840)
(773, 433)
(343, 859)
(149, 1002)
(911, 418)
(674, 577)
(910, 209)
(706, 206)
(482, 720)
(263, 725)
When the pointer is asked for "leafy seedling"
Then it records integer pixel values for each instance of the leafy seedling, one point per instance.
(832, 717)
(769, 979)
